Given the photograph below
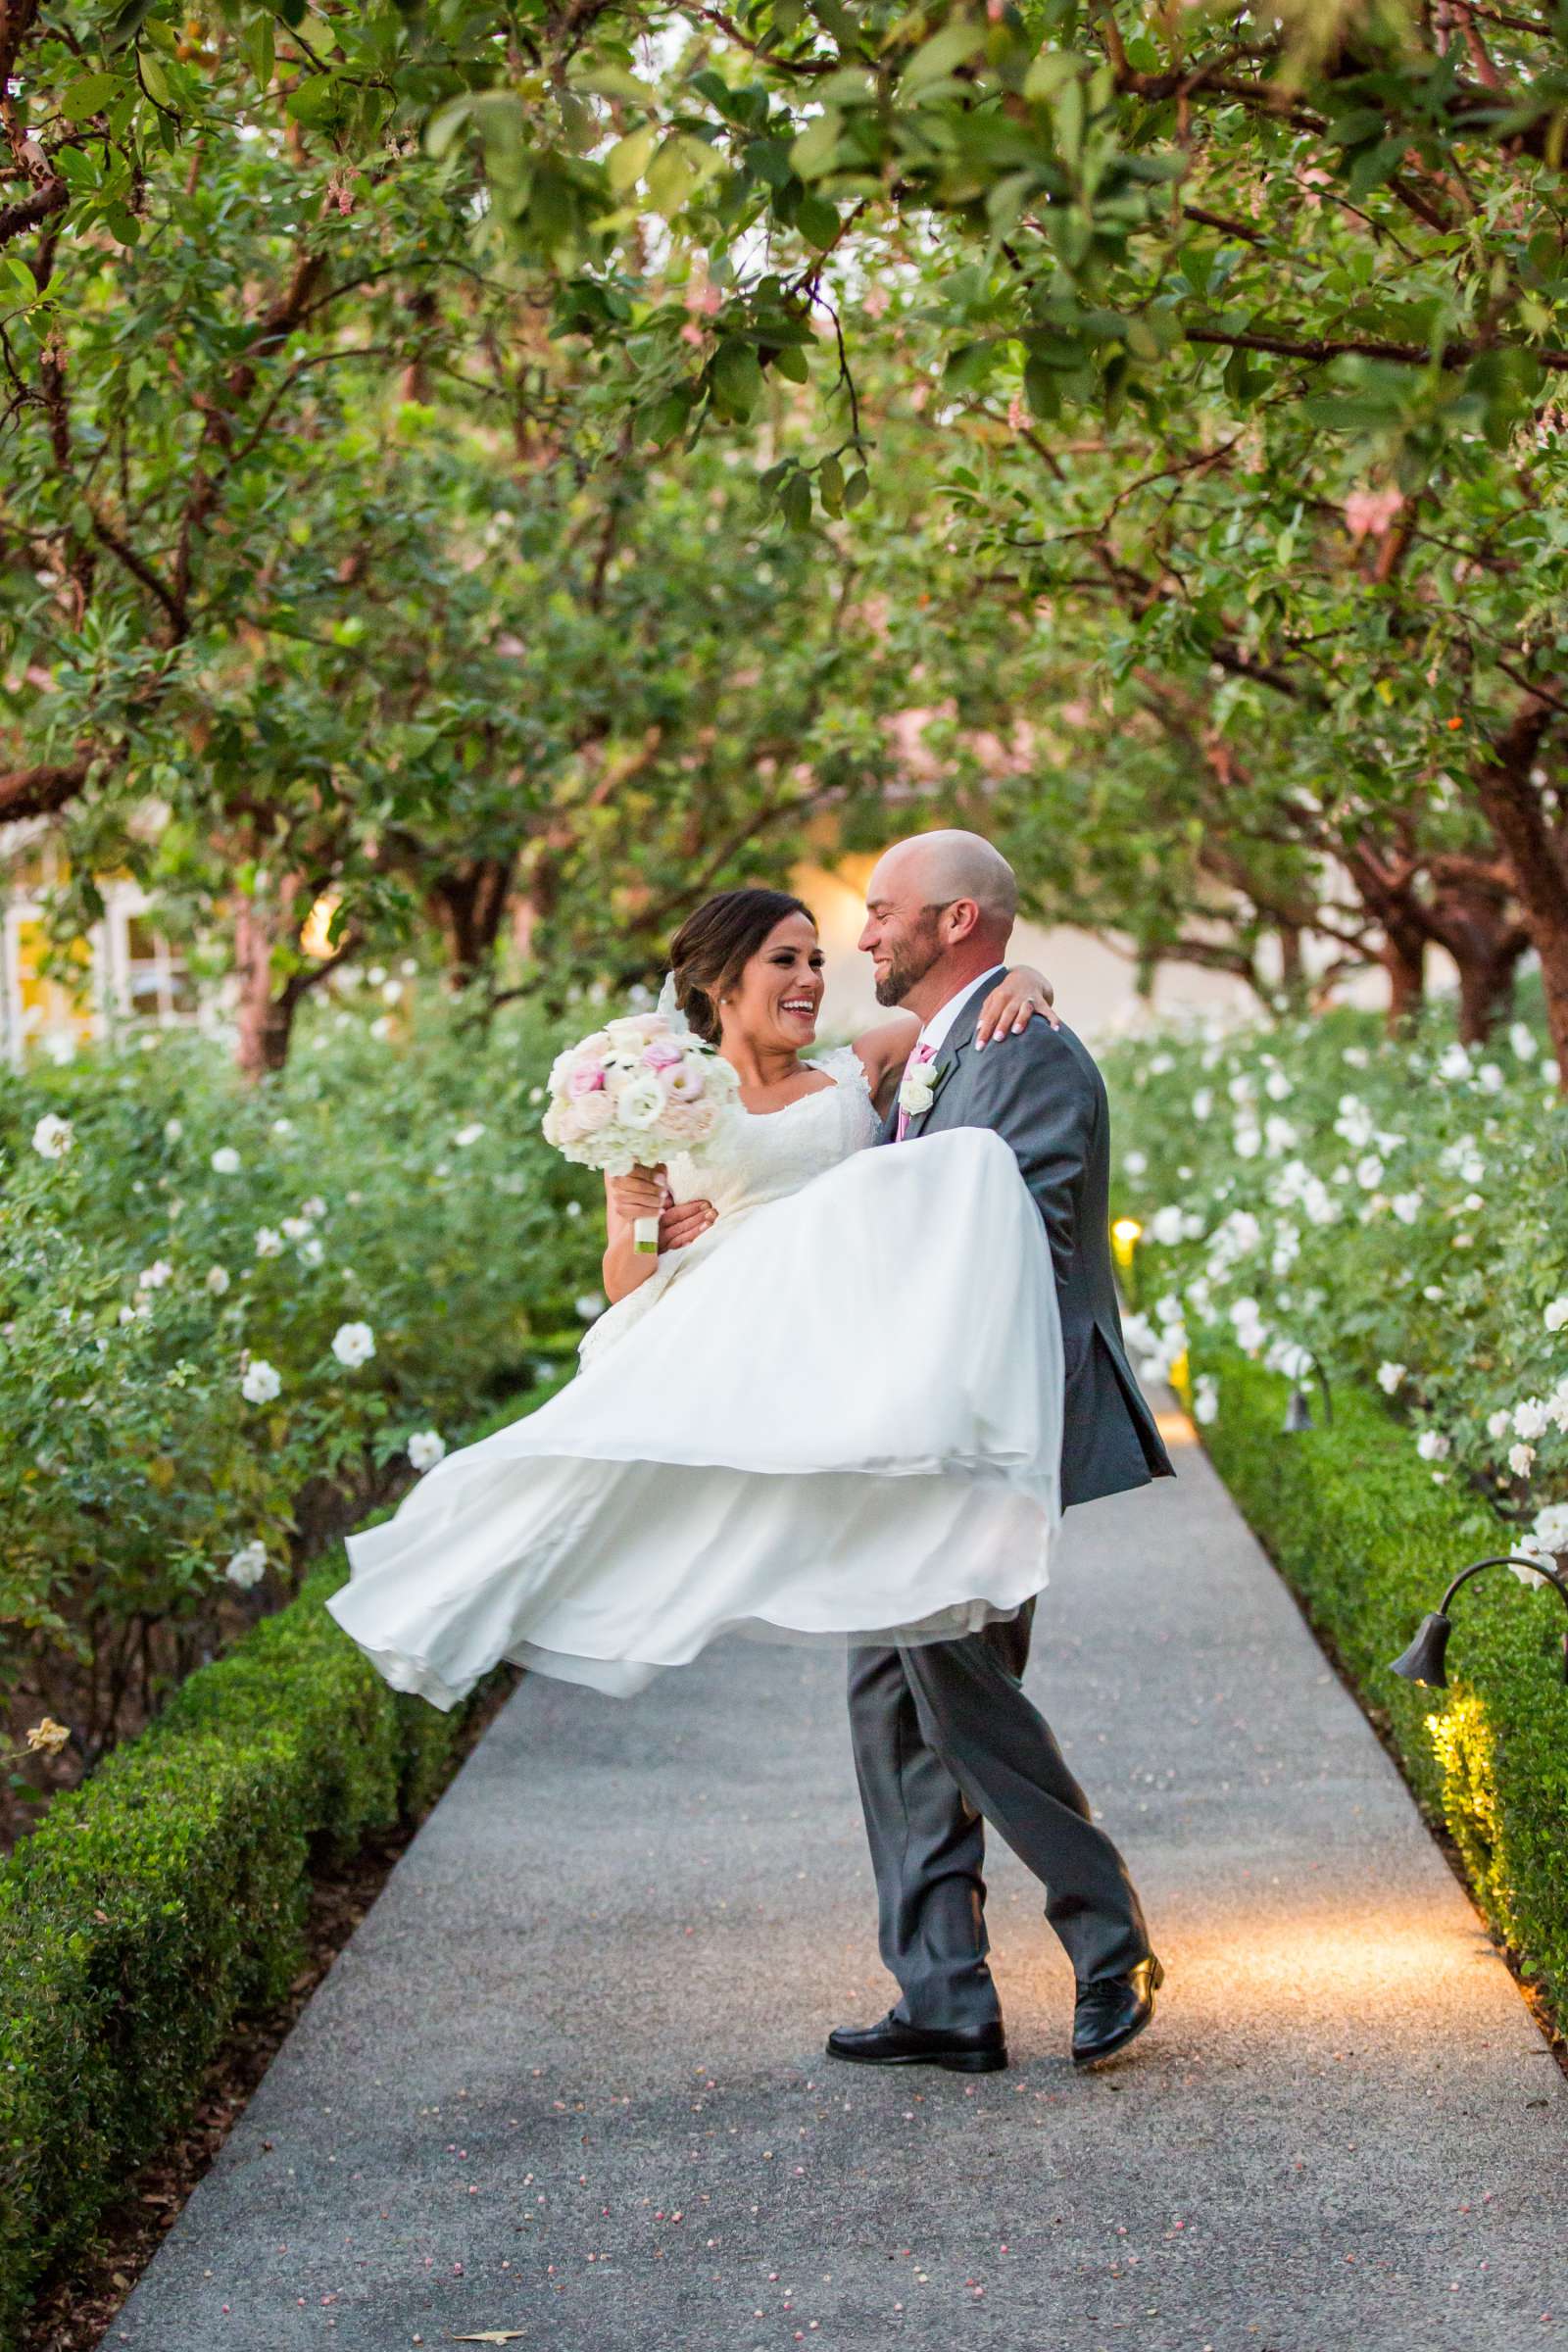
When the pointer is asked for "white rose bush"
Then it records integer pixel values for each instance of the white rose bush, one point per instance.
(1409, 1224)
(1410, 1234)
(232, 1321)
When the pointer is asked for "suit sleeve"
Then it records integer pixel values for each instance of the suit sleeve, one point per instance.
(1034, 1092)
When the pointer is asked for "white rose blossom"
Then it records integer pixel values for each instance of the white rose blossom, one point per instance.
(1390, 1377)
(1205, 1399)
(353, 1345)
(154, 1277)
(1521, 1461)
(268, 1241)
(53, 1136)
(1555, 1316)
(468, 1135)
(1499, 1424)
(216, 1280)
(224, 1160)
(1551, 1527)
(248, 1566)
(262, 1382)
(1433, 1446)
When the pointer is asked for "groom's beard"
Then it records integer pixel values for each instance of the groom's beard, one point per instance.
(908, 965)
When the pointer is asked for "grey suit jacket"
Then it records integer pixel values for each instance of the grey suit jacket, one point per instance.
(1042, 1094)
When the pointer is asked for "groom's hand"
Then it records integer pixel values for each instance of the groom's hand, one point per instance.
(681, 1223)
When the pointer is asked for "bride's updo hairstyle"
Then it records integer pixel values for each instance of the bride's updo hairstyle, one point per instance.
(712, 947)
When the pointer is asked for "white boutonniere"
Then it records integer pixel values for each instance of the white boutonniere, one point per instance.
(920, 1088)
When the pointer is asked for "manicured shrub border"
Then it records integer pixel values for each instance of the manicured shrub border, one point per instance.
(1367, 1540)
(170, 1891)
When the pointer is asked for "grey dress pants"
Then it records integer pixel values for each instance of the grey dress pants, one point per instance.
(945, 1740)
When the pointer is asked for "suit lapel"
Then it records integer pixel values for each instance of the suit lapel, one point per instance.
(959, 1040)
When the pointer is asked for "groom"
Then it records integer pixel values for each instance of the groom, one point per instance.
(943, 1735)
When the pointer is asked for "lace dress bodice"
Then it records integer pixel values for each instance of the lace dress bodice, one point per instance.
(765, 1156)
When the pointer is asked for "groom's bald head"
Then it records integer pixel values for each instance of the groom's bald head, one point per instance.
(940, 909)
(948, 866)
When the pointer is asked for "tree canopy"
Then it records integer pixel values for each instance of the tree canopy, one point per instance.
(1201, 367)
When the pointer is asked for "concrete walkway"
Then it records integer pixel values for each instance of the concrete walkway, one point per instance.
(567, 2079)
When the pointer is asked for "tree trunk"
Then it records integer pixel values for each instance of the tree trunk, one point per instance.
(1390, 899)
(468, 903)
(1403, 957)
(265, 1021)
(1292, 966)
(1515, 809)
(1487, 966)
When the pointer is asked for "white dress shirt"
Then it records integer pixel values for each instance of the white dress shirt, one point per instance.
(935, 1032)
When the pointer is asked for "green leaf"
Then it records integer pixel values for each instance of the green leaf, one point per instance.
(818, 221)
(816, 150)
(263, 51)
(1042, 390)
(317, 100)
(1046, 76)
(89, 94)
(627, 159)
(613, 81)
(856, 488)
(737, 378)
(156, 81)
(796, 502)
(936, 58)
(446, 124)
(1069, 115)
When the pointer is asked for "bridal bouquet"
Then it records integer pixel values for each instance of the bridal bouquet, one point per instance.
(636, 1091)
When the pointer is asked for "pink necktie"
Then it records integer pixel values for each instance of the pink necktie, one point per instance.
(921, 1058)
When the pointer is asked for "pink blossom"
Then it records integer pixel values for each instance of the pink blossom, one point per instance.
(1371, 512)
(663, 1054)
(587, 1078)
(1018, 416)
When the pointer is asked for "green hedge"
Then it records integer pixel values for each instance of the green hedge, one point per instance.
(167, 1893)
(1368, 1541)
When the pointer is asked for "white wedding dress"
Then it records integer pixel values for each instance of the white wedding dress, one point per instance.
(837, 1416)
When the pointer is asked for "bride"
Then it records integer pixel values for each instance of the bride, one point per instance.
(829, 1430)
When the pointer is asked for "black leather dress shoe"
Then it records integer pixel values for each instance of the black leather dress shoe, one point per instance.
(963, 2049)
(1112, 2012)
